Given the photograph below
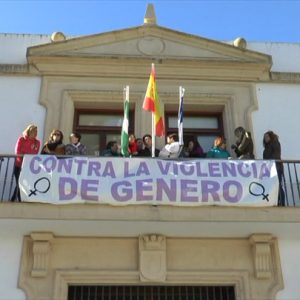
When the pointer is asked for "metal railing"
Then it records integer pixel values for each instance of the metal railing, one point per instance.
(290, 185)
(147, 292)
(7, 179)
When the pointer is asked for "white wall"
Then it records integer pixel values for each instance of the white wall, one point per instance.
(279, 106)
(290, 263)
(19, 108)
(286, 57)
(10, 257)
(14, 46)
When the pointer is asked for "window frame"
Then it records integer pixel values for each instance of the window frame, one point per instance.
(198, 131)
(102, 131)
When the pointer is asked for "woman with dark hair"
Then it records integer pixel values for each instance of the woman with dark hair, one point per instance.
(272, 150)
(147, 151)
(112, 149)
(54, 145)
(194, 149)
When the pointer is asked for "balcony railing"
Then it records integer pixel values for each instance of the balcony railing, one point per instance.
(290, 181)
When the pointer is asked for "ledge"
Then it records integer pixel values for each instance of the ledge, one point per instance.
(89, 212)
(285, 77)
(13, 69)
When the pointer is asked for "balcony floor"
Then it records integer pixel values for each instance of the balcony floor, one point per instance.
(129, 221)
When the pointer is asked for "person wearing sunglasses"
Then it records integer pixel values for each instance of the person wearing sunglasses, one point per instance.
(54, 145)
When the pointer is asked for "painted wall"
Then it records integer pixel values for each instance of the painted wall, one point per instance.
(278, 111)
(290, 264)
(14, 46)
(286, 57)
(19, 107)
(10, 256)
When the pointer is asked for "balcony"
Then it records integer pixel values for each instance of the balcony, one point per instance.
(290, 182)
(132, 220)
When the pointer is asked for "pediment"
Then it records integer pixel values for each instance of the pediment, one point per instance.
(148, 42)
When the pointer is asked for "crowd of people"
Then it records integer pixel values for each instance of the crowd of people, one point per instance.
(142, 147)
(29, 144)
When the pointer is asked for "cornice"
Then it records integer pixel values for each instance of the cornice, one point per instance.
(63, 70)
(285, 77)
(133, 67)
(14, 69)
(36, 211)
(141, 32)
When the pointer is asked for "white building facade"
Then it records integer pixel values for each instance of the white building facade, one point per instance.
(75, 83)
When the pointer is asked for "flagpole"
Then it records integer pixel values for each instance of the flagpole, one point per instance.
(153, 126)
(153, 136)
(180, 116)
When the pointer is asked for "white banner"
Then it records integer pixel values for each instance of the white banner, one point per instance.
(123, 181)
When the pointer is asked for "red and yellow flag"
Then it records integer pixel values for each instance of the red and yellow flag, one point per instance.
(151, 103)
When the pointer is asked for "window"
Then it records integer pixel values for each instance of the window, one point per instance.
(204, 127)
(98, 127)
(151, 292)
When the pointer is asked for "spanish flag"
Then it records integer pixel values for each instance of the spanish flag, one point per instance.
(151, 103)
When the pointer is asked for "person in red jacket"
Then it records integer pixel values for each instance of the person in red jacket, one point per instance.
(26, 144)
(132, 147)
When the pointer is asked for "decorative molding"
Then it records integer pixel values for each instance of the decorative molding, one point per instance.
(14, 69)
(262, 255)
(41, 253)
(115, 261)
(151, 45)
(152, 255)
(64, 278)
(239, 279)
(286, 77)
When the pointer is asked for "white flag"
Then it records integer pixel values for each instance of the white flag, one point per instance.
(124, 133)
(180, 116)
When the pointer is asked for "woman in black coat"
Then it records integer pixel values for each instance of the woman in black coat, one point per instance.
(272, 150)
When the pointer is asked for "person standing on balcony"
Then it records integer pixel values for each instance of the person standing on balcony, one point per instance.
(140, 146)
(219, 149)
(172, 148)
(132, 147)
(26, 144)
(147, 151)
(54, 145)
(272, 150)
(244, 144)
(75, 147)
(112, 149)
(194, 149)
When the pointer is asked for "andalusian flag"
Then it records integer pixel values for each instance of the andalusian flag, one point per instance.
(151, 103)
(124, 133)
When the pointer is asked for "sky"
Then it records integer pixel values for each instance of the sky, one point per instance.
(224, 20)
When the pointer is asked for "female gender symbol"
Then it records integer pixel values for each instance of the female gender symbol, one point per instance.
(42, 189)
(253, 190)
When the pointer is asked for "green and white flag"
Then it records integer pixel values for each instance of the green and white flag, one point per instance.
(124, 133)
